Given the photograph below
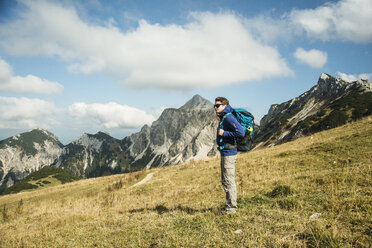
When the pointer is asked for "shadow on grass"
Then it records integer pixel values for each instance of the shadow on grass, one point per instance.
(161, 209)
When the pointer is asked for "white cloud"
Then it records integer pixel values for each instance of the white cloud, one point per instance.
(269, 29)
(314, 58)
(26, 113)
(211, 50)
(354, 77)
(110, 115)
(348, 20)
(28, 84)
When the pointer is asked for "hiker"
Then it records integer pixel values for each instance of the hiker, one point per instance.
(229, 129)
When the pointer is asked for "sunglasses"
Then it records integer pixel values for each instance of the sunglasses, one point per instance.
(217, 105)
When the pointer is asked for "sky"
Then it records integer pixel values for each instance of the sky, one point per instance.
(75, 67)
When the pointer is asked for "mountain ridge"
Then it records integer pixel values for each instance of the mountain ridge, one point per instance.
(176, 136)
(89, 155)
(166, 141)
(282, 119)
(326, 86)
(187, 133)
(197, 102)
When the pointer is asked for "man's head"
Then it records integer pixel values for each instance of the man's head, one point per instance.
(220, 104)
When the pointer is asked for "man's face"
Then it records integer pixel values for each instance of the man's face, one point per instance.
(219, 107)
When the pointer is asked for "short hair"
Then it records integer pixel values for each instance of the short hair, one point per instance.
(223, 100)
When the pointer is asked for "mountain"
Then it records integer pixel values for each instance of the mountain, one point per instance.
(24, 153)
(91, 156)
(330, 103)
(182, 134)
(178, 135)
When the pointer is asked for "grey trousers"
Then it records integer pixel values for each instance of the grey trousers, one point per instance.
(228, 181)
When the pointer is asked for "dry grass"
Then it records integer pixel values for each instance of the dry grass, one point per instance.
(279, 188)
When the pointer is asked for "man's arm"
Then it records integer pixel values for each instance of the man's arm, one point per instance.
(236, 129)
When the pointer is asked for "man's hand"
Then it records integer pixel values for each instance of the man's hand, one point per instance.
(220, 132)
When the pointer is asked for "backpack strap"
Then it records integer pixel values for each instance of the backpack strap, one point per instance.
(221, 127)
(223, 118)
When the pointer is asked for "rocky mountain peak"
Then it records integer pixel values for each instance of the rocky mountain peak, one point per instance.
(177, 136)
(36, 135)
(324, 76)
(90, 155)
(42, 132)
(331, 102)
(197, 103)
(91, 141)
(26, 152)
(327, 88)
(330, 85)
(365, 85)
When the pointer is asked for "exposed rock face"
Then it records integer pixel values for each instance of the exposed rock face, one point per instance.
(284, 122)
(91, 156)
(182, 134)
(327, 89)
(177, 136)
(25, 153)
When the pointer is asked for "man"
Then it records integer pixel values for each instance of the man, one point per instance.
(229, 129)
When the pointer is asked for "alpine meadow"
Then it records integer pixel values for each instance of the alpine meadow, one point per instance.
(315, 191)
(129, 123)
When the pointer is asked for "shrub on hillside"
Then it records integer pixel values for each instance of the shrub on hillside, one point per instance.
(42, 173)
(45, 172)
(65, 177)
(335, 119)
(18, 187)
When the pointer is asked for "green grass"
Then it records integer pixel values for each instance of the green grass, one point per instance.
(353, 106)
(45, 177)
(279, 189)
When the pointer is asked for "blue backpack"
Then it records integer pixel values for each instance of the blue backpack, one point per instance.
(246, 120)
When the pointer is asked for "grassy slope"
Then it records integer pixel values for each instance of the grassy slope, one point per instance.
(279, 189)
(43, 178)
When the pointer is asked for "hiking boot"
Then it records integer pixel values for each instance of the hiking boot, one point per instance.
(230, 211)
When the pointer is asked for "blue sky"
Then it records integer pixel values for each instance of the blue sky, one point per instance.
(87, 66)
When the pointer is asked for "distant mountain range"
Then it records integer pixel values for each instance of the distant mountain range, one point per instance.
(181, 134)
(177, 136)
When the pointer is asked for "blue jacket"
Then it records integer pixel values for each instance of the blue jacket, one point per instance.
(232, 131)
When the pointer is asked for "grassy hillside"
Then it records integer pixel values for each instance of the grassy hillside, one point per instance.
(353, 106)
(43, 178)
(313, 192)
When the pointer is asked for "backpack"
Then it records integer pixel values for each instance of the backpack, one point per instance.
(246, 120)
